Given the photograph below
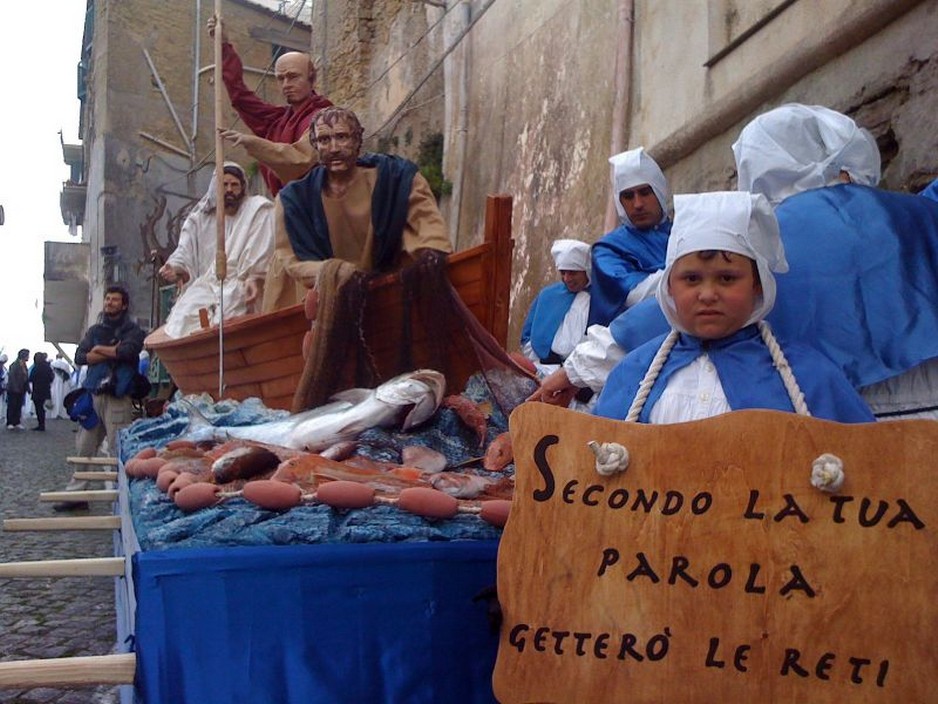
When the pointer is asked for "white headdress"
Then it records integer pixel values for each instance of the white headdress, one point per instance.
(634, 168)
(729, 221)
(571, 255)
(796, 148)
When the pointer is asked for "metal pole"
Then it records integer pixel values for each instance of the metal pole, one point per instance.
(221, 259)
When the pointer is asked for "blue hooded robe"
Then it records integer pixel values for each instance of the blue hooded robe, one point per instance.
(748, 376)
(622, 259)
(545, 317)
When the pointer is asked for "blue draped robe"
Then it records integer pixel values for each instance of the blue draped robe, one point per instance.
(546, 316)
(622, 259)
(862, 286)
(747, 374)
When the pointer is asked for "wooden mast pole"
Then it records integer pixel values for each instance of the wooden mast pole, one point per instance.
(221, 259)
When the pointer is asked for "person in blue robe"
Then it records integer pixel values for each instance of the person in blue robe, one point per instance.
(716, 289)
(628, 260)
(556, 321)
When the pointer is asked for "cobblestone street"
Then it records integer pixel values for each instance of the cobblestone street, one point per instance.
(50, 617)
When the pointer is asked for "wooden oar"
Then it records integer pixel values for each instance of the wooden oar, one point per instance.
(95, 476)
(221, 259)
(107, 461)
(72, 496)
(63, 523)
(60, 672)
(81, 567)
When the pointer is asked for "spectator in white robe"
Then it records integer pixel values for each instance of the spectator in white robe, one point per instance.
(61, 385)
(249, 237)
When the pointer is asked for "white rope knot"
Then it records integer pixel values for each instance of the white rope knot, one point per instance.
(827, 473)
(611, 457)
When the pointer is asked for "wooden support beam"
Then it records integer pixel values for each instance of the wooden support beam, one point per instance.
(68, 672)
(108, 461)
(82, 567)
(95, 476)
(63, 523)
(91, 495)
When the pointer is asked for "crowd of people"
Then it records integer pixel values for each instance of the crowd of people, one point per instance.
(34, 390)
(682, 310)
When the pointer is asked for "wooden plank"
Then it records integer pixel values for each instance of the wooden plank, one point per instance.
(81, 567)
(105, 461)
(95, 476)
(712, 570)
(498, 211)
(68, 672)
(90, 495)
(63, 523)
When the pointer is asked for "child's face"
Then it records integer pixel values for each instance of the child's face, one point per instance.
(714, 295)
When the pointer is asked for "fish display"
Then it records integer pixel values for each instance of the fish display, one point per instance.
(405, 401)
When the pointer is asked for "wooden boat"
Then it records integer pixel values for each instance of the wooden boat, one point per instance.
(263, 352)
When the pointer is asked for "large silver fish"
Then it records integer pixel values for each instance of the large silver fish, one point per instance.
(408, 400)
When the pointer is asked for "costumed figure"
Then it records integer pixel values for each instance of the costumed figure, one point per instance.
(279, 140)
(375, 211)
(720, 355)
(627, 262)
(61, 386)
(248, 249)
(556, 321)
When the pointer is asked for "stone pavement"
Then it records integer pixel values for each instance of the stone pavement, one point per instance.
(50, 618)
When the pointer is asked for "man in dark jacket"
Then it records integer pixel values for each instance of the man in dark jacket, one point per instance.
(40, 386)
(17, 386)
(111, 349)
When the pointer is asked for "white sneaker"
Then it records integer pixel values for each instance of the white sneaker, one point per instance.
(10, 427)
(21, 426)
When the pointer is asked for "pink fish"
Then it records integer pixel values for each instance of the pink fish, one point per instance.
(499, 454)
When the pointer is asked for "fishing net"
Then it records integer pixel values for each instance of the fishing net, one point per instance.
(370, 330)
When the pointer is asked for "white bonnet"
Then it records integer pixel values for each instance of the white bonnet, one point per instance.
(795, 148)
(634, 168)
(571, 255)
(729, 221)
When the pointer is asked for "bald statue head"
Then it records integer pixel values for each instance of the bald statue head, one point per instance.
(295, 75)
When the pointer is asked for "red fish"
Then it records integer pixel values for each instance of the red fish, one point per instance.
(499, 454)
(469, 413)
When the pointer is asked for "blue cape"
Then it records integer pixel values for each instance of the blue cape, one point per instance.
(862, 286)
(545, 317)
(305, 218)
(621, 260)
(931, 190)
(747, 374)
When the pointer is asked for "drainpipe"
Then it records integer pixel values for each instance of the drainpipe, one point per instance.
(462, 126)
(621, 106)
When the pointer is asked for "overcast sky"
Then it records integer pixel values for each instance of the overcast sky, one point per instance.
(40, 46)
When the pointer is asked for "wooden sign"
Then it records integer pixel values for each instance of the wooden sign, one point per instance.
(711, 570)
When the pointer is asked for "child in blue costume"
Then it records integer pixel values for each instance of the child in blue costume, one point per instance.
(720, 355)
